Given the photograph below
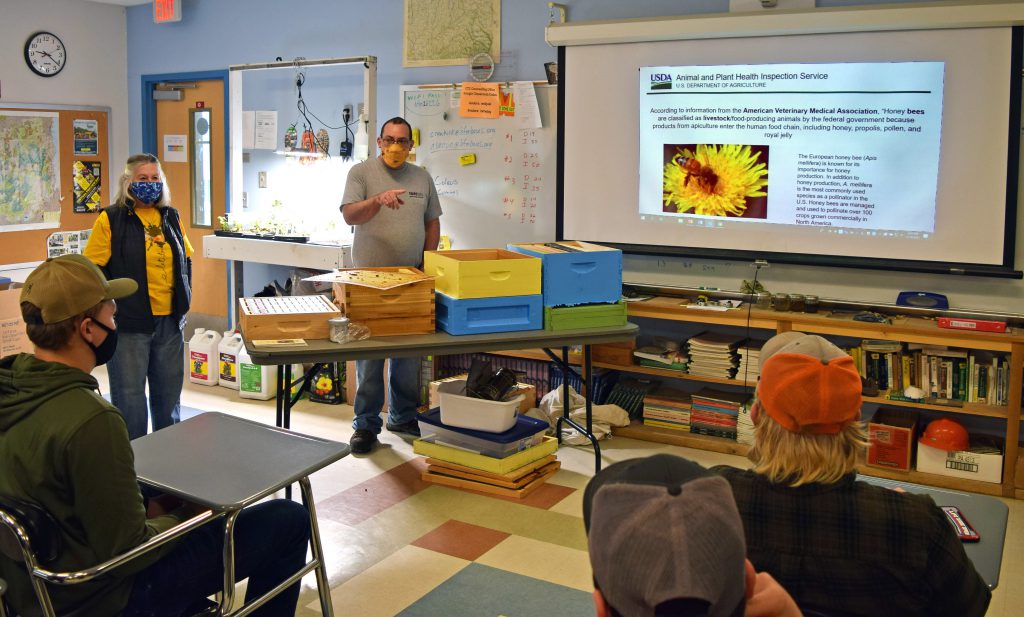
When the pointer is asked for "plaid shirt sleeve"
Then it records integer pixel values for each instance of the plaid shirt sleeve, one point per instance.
(958, 589)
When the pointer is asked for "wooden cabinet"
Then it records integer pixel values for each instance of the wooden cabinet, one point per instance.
(904, 330)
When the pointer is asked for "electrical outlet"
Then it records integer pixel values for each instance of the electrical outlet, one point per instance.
(346, 113)
(245, 200)
(262, 179)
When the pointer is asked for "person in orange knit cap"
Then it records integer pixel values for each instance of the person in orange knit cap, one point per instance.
(838, 545)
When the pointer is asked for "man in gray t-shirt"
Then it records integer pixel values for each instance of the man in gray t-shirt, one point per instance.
(394, 208)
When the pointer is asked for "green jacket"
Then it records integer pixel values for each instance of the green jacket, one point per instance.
(66, 449)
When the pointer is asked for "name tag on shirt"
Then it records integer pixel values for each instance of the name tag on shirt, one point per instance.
(416, 195)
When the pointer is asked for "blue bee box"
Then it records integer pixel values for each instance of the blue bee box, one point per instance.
(578, 273)
(484, 315)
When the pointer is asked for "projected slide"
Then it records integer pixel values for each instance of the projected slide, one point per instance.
(847, 145)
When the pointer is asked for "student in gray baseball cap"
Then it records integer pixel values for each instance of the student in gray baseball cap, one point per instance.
(665, 538)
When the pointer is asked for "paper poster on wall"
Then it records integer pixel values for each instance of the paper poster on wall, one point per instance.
(29, 185)
(266, 130)
(479, 100)
(175, 148)
(87, 135)
(527, 109)
(444, 33)
(86, 177)
(66, 243)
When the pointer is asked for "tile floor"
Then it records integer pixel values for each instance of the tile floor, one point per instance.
(395, 545)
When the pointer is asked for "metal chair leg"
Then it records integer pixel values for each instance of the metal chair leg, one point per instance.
(323, 587)
(228, 599)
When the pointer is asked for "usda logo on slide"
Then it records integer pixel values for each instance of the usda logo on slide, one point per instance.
(661, 81)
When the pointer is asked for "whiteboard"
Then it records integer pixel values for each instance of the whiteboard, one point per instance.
(508, 194)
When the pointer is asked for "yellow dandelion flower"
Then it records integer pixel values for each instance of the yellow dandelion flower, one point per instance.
(714, 181)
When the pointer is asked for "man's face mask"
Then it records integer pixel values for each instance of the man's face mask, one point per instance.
(394, 152)
(105, 350)
(147, 192)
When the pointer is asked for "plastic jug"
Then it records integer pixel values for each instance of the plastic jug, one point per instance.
(255, 381)
(227, 352)
(202, 357)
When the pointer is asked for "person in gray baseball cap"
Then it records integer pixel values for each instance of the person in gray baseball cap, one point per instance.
(665, 538)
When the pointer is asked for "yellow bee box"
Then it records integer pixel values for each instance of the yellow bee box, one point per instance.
(483, 273)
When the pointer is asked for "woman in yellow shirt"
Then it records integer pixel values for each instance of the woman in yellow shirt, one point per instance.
(141, 237)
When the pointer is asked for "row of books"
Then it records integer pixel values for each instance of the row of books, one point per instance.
(708, 354)
(668, 408)
(706, 412)
(954, 374)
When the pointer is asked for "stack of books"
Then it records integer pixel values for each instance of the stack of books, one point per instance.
(629, 395)
(749, 368)
(714, 354)
(667, 408)
(658, 356)
(713, 412)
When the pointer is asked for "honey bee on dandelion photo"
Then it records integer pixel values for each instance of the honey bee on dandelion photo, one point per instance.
(716, 180)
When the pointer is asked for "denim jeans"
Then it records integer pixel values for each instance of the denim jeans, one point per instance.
(403, 392)
(158, 358)
(271, 539)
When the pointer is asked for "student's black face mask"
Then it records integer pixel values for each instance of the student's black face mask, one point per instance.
(105, 350)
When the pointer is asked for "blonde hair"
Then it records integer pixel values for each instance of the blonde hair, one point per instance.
(795, 459)
(130, 168)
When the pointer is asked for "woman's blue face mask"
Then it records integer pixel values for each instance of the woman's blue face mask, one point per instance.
(147, 192)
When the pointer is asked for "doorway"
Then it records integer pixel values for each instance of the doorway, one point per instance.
(185, 125)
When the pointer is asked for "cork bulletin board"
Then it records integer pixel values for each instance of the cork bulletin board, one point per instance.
(55, 174)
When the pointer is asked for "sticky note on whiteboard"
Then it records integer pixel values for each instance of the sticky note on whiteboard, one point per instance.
(467, 159)
(416, 137)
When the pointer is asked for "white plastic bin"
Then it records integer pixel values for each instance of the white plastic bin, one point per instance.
(525, 433)
(476, 413)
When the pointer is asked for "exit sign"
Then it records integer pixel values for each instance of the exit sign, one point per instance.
(166, 10)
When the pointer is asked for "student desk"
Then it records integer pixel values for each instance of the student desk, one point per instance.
(442, 343)
(986, 514)
(226, 463)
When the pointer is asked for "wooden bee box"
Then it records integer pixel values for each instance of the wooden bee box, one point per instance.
(286, 317)
(406, 308)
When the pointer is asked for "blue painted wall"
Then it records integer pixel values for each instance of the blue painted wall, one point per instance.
(215, 34)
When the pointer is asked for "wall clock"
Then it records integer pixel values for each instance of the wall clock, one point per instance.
(45, 54)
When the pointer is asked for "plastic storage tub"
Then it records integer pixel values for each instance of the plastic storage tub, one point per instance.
(527, 432)
(475, 414)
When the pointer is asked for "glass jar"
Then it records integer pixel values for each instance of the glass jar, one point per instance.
(811, 304)
(780, 302)
(339, 329)
(763, 301)
(796, 302)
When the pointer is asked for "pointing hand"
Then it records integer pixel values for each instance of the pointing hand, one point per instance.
(390, 198)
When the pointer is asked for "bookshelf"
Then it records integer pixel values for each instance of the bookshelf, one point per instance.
(902, 329)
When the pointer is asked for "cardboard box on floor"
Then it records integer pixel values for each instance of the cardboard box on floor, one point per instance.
(12, 329)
